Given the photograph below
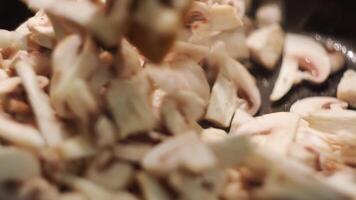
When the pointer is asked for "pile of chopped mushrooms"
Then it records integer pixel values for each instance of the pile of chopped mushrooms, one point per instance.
(149, 99)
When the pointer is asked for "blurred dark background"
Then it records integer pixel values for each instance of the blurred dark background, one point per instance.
(12, 13)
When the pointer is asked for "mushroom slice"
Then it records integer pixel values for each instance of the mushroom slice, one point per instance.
(244, 81)
(240, 117)
(113, 176)
(18, 165)
(280, 183)
(269, 12)
(106, 132)
(41, 30)
(180, 111)
(301, 52)
(345, 89)
(180, 75)
(39, 186)
(235, 43)
(217, 17)
(333, 121)
(269, 131)
(224, 17)
(76, 148)
(152, 190)
(266, 45)
(231, 151)
(182, 151)
(133, 152)
(130, 105)
(92, 191)
(223, 101)
(211, 135)
(49, 126)
(306, 106)
(69, 67)
(85, 13)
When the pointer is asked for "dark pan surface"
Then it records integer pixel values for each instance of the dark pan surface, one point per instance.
(331, 18)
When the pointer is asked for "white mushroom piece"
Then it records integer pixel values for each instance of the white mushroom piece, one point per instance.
(333, 121)
(184, 151)
(138, 116)
(109, 174)
(186, 92)
(346, 90)
(234, 88)
(266, 45)
(269, 12)
(309, 105)
(303, 59)
(280, 183)
(269, 131)
(49, 125)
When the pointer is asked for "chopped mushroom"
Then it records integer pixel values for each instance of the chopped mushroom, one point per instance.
(266, 45)
(346, 90)
(183, 151)
(131, 106)
(280, 183)
(269, 12)
(307, 106)
(223, 101)
(111, 175)
(48, 124)
(152, 190)
(269, 131)
(305, 53)
(245, 83)
(333, 121)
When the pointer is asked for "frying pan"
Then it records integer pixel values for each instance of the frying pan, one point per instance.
(333, 19)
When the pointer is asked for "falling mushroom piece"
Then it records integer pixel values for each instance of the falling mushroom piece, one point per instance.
(346, 90)
(266, 45)
(301, 52)
(269, 12)
(223, 101)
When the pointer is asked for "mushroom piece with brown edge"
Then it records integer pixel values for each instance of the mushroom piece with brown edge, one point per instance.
(346, 90)
(245, 83)
(223, 101)
(301, 53)
(307, 106)
(266, 45)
